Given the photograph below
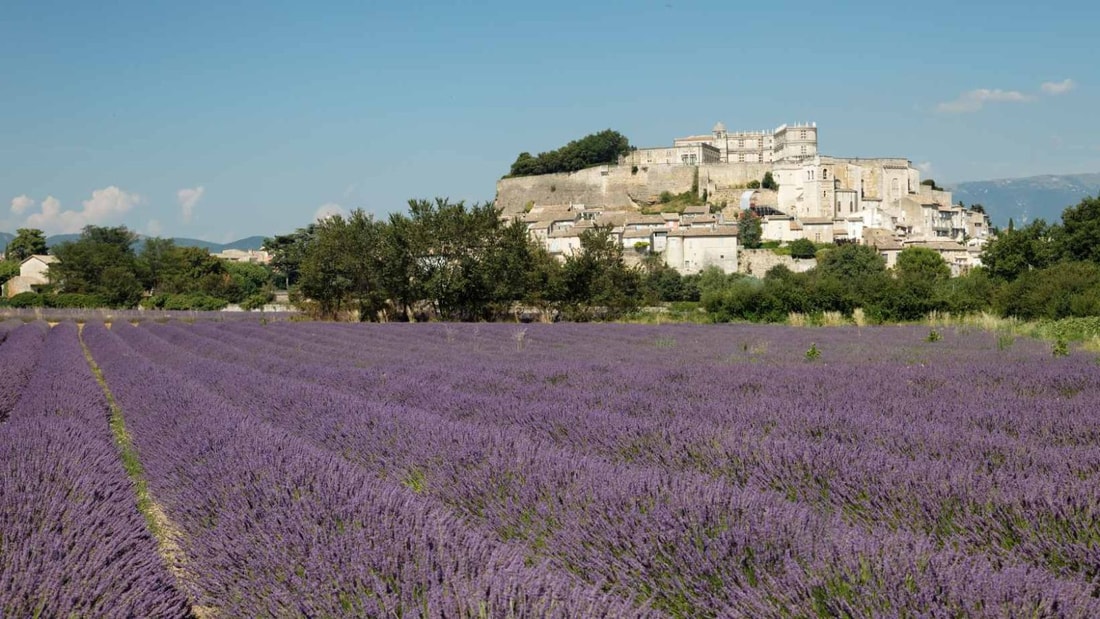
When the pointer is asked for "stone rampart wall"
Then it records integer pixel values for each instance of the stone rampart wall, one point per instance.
(611, 187)
(757, 262)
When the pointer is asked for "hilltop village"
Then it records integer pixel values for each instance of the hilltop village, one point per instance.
(779, 176)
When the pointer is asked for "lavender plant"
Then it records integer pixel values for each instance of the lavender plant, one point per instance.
(71, 540)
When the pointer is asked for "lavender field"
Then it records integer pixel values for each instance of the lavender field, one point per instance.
(333, 470)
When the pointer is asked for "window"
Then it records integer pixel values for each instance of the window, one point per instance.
(824, 174)
(803, 150)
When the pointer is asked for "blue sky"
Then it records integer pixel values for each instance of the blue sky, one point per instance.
(227, 119)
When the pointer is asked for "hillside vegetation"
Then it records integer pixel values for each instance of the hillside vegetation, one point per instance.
(595, 149)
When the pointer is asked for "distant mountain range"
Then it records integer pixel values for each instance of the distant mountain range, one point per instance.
(252, 242)
(1027, 199)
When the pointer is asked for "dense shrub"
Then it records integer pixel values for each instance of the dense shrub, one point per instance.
(258, 300)
(190, 302)
(27, 299)
(803, 248)
(1060, 291)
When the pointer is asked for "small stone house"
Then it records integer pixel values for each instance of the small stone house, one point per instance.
(34, 271)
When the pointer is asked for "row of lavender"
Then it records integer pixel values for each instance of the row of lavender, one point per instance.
(72, 542)
(270, 524)
(703, 471)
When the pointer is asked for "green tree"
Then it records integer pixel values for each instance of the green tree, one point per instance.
(27, 242)
(750, 230)
(803, 248)
(769, 182)
(101, 262)
(194, 270)
(850, 276)
(931, 183)
(594, 149)
(286, 254)
(342, 266)
(1015, 251)
(922, 264)
(788, 291)
(1062, 290)
(402, 245)
(508, 268)
(597, 277)
(968, 293)
(663, 283)
(1080, 239)
(453, 243)
(248, 280)
(919, 271)
(156, 263)
(546, 284)
(8, 270)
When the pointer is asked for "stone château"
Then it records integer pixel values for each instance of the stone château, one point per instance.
(875, 201)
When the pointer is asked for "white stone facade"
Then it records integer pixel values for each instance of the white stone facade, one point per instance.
(679, 154)
(785, 143)
(691, 251)
(34, 271)
(821, 198)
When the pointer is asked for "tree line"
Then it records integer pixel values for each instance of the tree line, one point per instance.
(104, 267)
(450, 261)
(446, 260)
(1039, 272)
(594, 149)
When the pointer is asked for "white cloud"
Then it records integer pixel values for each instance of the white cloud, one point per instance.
(329, 209)
(153, 228)
(20, 204)
(974, 100)
(104, 205)
(187, 199)
(1058, 88)
(925, 167)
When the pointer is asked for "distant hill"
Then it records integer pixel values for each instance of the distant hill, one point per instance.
(1030, 198)
(252, 242)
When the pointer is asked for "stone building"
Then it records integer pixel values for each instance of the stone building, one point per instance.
(680, 154)
(34, 271)
(786, 143)
(691, 251)
(839, 186)
(254, 256)
(879, 201)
